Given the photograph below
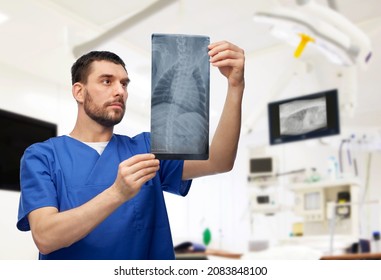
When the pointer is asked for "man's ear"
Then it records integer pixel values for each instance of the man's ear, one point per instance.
(78, 91)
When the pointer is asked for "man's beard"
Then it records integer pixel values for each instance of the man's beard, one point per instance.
(100, 113)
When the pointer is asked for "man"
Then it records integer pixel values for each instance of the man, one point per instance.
(97, 195)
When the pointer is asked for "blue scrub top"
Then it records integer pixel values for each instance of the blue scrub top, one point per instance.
(63, 172)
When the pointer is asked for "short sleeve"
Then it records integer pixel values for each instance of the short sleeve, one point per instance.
(37, 187)
(171, 172)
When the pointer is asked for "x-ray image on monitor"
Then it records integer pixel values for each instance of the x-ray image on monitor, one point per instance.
(302, 116)
(180, 96)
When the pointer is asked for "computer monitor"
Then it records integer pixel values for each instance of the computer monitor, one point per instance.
(262, 166)
(17, 133)
(304, 117)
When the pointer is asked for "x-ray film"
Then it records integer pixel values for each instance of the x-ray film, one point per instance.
(180, 97)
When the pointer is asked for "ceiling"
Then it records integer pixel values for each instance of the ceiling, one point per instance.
(39, 36)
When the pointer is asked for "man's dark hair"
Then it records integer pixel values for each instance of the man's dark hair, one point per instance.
(81, 68)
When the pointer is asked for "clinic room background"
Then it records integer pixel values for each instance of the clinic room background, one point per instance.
(306, 181)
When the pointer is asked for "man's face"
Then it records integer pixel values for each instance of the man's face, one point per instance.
(106, 93)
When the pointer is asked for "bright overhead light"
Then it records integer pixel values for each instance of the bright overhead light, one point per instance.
(321, 28)
(3, 17)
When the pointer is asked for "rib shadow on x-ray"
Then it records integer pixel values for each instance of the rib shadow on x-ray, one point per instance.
(180, 96)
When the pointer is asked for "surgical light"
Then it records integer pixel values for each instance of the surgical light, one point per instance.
(319, 27)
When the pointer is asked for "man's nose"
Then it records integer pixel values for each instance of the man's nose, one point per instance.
(120, 89)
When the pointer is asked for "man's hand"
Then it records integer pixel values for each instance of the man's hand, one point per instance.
(230, 60)
(133, 173)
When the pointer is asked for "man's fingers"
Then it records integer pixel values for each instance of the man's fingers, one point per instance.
(218, 47)
(226, 55)
(138, 169)
(145, 178)
(138, 158)
(149, 171)
(128, 169)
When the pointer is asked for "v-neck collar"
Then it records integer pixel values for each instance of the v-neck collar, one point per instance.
(87, 144)
(99, 163)
(104, 161)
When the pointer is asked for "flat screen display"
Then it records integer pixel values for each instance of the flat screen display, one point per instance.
(304, 117)
(17, 133)
(261, 165)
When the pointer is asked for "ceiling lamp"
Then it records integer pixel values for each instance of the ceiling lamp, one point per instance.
(3, 17)
(311, 25)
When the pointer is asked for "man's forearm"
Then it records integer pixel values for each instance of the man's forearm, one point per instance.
(224, 145)
(53, 230)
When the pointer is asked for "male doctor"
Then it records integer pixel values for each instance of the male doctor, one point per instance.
(93, 194)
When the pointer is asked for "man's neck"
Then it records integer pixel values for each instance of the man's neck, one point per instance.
(92, 134)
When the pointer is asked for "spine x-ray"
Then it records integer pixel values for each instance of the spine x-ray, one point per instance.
(180, 96)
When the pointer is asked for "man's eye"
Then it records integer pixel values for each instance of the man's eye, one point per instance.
(106, 82)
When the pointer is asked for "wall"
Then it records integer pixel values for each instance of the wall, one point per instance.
(13, 243)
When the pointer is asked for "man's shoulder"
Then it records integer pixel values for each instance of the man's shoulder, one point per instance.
(138, 143)
(48, 143)
(137, 138)
(43, 148)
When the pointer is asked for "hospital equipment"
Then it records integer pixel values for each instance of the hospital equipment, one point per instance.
(265, 201)
(304, 117)
(262, 168)
(327, 203)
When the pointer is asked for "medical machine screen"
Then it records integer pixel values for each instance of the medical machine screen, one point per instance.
(312, 201)
(304, 117)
